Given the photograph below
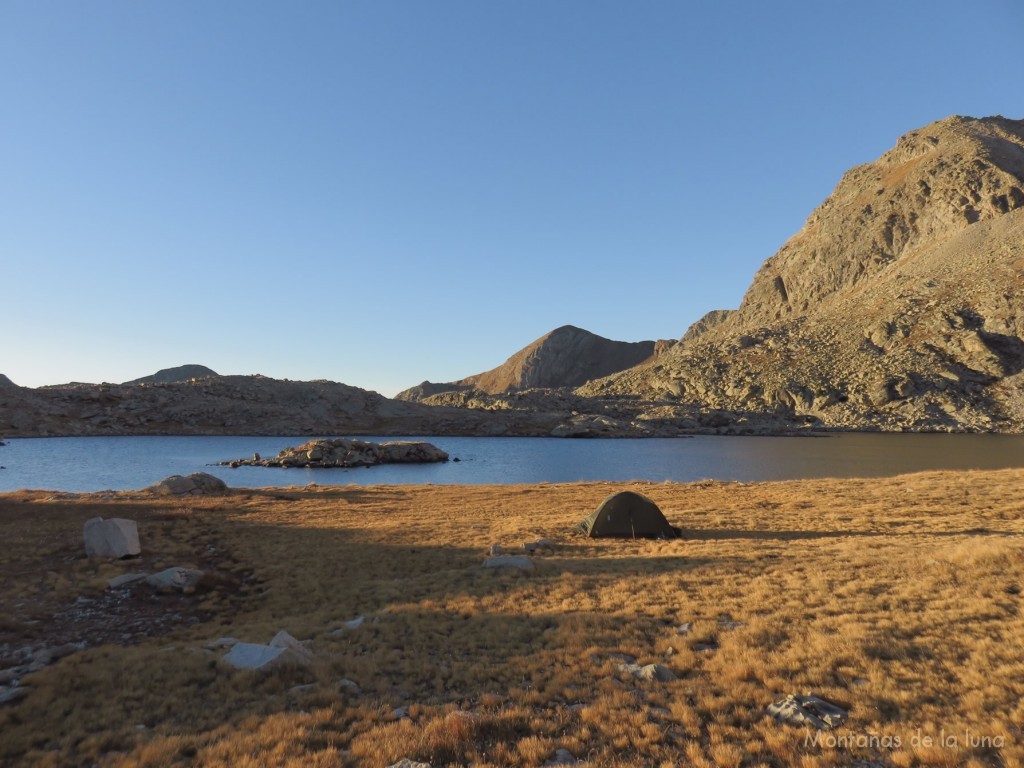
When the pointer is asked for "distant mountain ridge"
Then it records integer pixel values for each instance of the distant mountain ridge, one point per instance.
(566, 357)
(179, 373)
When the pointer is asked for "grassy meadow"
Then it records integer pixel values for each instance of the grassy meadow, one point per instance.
(897, 599)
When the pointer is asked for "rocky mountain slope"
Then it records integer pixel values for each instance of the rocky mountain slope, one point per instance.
(565, 357)
(180, 373)
(239, 405)
(898, 305)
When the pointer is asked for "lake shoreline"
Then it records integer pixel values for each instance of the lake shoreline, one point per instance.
(124, 463)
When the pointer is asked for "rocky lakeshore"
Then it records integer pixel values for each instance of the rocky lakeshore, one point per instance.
(342, 452)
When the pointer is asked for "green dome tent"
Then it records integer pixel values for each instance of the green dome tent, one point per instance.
(628, 514)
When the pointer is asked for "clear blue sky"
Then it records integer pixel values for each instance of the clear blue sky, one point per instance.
(384, 192)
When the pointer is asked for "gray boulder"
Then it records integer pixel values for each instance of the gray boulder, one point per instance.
(196, 484)
(283, 640)
(648, 672)
(808, 710)
(115, 537)
(405, 762)
(181, 579)
(403, 452)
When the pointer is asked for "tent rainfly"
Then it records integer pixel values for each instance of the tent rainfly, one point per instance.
(630, 515)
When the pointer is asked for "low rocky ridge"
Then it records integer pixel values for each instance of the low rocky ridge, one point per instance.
(180, 373)
(343, 452)
(565, 357)
(898, 306)
(255, 405)
(227, 405)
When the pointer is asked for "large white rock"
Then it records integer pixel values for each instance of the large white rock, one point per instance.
(115, 537)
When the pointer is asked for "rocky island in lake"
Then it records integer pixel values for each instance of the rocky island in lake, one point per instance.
(343, 452)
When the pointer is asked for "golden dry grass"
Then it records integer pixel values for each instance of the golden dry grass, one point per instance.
(896, 598)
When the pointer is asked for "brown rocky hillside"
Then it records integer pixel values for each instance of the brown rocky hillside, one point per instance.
(565, 357)
(240, 405)
(898, 305)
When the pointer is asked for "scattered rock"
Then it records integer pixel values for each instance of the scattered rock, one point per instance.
(808, 710)
(562, 757)
(648, 672)
(511, 562)
(399, 713)
(124, 579)
(11, 695)
(115, 537)
(684, 628)
(350, 687)
(221, 642)
(263, 657)
(183, 580)
(196, 484)
(283, 640)
(405, 762)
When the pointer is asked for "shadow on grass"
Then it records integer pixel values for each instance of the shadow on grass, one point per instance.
(710, 534)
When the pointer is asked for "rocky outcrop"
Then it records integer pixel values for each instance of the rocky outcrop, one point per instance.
(566, 357)
(6, 383)
(897, 306)
(196, 484)
(172, 375)
(710, 320)
(342, 452)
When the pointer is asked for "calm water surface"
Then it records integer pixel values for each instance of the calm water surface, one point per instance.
(119, 463)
